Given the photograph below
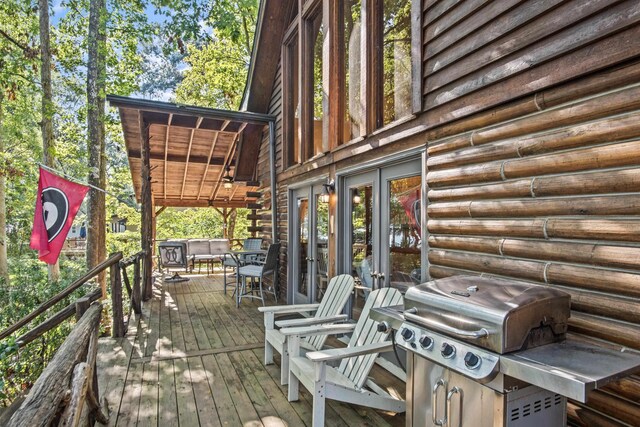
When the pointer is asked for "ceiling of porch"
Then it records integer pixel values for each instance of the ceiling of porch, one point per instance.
(192, 149)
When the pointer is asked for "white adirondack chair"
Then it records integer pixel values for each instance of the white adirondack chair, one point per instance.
(327, 311)
(349, 382)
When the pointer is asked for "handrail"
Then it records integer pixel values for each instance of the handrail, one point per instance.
(55, 320)
(74, 363)
(133, 291)
(113, 259)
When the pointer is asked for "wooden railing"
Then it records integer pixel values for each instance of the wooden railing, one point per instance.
(69, 381)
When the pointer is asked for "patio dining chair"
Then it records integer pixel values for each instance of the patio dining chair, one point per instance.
(232, 261)
(327, 311)
(348, 382)
(256, 273)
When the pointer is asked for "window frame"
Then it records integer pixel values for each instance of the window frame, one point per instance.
(290, 42)
(310, 12)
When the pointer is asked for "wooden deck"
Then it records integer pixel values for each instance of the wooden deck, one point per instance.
(195, 359)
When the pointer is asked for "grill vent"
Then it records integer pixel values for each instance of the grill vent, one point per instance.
(538, 405)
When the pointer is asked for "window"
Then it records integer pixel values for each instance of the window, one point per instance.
(396, 60)
(314, 97)
(351, 58)
(352, 15)
(291, 98)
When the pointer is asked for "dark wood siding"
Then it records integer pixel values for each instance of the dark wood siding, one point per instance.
(534, 160)
(479, 54)
(275, 108)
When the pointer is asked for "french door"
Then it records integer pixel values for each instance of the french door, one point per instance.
(381, 229)
(309, 237)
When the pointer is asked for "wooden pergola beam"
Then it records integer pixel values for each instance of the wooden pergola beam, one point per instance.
(206, 169)
(166, 149)
(202, 203)
(175, 158)
(227, 160)
(186, 165)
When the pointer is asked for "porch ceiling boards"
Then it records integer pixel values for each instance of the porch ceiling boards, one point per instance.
(190, 147)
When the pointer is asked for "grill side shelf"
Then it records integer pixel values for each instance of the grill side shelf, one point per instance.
(570, 368)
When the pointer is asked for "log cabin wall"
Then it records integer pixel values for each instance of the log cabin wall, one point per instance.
(275, 108)
(534, 160)
(531, 118)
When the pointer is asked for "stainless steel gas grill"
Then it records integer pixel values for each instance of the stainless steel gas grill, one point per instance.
(492, 352)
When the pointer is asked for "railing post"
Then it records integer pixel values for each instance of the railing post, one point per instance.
(135, 290)
(116, 301)
(136, 284)
(82, 304)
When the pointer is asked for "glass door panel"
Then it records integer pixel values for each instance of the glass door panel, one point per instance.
(321, 239)
(403, 232)
(310, 245)
(382, 244)
(361, 231)
(400, 259)
(300, 249)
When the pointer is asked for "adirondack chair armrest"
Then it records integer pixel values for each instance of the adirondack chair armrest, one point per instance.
(288, 309)
(307, 331)
(342, 353)
(310, 321)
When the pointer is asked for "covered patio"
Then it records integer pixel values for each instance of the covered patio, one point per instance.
(193, 358)
(187, 156)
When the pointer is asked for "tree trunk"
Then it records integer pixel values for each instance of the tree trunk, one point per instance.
(4, 268)
(48, 146)
(96, 215)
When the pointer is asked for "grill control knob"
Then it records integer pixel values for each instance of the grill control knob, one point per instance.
(471, 361)
(426, 342)
(383, 327)
(447, 351)
(407, 334)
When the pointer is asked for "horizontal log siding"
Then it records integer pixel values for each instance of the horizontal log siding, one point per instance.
(481, 54)
(533, 169)
(552, 198)
(264, 168)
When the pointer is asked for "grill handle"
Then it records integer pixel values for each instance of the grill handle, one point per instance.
(482, 332)
(458, 391)
(434, 403)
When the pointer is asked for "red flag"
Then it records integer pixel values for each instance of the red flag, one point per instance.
(57, 204)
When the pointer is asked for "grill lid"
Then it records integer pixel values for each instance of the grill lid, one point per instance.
(496, 314)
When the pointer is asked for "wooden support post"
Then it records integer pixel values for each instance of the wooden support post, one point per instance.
(136, 286)
(147, 207)
(116, 302)
(82, 304)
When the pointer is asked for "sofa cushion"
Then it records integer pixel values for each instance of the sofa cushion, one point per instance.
(218, 246)
(198, 247)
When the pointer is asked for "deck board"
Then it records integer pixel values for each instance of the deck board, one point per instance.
(194, 359)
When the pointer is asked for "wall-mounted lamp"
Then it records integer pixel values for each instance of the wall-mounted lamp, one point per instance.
(356, 197)
(227, 179)
(327, 190)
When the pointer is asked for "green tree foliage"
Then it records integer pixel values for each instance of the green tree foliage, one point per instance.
(218, 70)
(198, 48)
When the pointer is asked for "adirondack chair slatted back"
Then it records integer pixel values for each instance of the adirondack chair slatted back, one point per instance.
(338, 291)
(357, 368)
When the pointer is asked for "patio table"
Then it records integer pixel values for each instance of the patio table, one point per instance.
(240, 258)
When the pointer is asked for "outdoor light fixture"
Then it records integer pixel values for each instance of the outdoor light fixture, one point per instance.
(356, 197)
(227, 178)
(327, 190)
